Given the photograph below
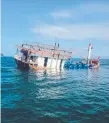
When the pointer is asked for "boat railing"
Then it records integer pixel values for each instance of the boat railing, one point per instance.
(44, 46)
(46, 51)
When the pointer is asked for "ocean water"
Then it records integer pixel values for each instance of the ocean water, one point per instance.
(67, 96)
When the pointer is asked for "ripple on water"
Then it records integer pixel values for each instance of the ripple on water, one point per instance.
(74, 96)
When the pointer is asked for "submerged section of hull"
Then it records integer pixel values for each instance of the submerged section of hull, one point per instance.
(46, 63)
(76, 66)
(22, 65)
(80, 66)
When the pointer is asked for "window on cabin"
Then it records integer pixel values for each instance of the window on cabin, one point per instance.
(34, 58)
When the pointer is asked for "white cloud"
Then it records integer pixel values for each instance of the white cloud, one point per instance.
(75, 31)
(61, 14)
(77, 12)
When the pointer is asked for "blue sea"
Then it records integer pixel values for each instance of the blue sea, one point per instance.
(67, 96)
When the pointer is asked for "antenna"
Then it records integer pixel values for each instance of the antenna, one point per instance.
(58, 44)
(55, 41)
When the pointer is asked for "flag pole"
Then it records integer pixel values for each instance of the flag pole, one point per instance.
(89, 53)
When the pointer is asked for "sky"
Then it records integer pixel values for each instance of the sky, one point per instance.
(72, 23)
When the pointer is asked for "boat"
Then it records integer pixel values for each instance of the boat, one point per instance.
(92, 63)
(41, 56)
(87, 63)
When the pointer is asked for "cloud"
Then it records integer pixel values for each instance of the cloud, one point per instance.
(75, 31)
(83, 11)
(85, 22)
(61, 14)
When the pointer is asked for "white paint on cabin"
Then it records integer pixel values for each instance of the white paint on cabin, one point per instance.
(41, 61)
(58, 64)
(53, 64)
(63, 62)
(49, 62)
(36, 61)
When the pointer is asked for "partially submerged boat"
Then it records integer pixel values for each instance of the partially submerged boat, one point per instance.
(41, 56)
(92, 63)
(88, 63)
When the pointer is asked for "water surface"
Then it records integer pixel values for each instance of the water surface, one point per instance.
(67, 96)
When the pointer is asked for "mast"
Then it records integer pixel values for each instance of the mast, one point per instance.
(89, 53)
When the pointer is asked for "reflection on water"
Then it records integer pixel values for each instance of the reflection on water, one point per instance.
(54, 95)
(50, 74)
(92, 74)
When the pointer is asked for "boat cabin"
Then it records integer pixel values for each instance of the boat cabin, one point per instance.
(42, 55)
